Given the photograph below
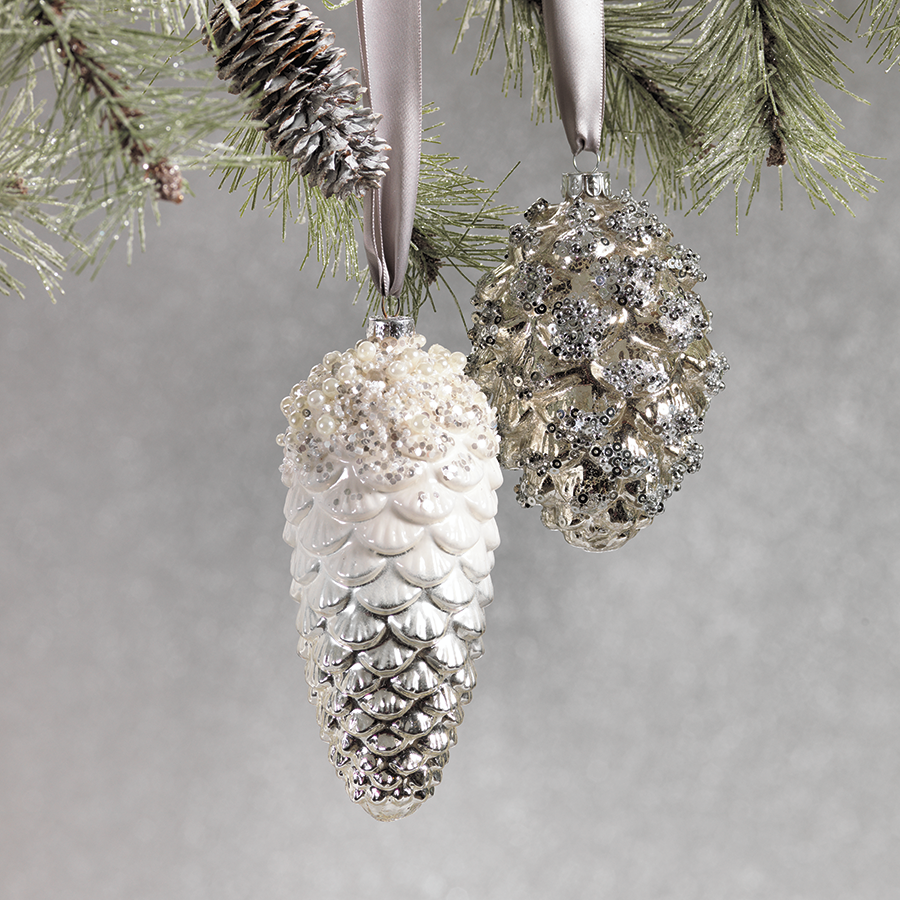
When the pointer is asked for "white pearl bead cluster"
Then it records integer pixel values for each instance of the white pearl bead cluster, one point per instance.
(383, 406)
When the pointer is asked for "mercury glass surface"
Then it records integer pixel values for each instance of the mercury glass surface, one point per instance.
(592, 344)
(390, 464)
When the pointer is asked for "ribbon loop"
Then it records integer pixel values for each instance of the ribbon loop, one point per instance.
(390, 41)
(576, 40)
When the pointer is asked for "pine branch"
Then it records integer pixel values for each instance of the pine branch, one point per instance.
(754, 68)
(457, 226)
(645, 102)
(520, 23)
(883, 30)
(21, 243)
(116, 111)
(170, 16)
(271, 182)
(130, 111)
(26, 196)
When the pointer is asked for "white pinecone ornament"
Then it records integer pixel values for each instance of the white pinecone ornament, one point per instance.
(391, 469)
(284, 57)
(591, 343)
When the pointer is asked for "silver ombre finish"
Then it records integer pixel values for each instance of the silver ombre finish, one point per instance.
(391, 469)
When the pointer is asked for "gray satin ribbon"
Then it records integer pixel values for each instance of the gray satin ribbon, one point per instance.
(390, 41)
(577, 45)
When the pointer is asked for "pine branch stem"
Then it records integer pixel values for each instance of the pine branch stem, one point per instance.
(431, 258)
(15, 184)
(671, 110)
(107, 85)
(777, 155)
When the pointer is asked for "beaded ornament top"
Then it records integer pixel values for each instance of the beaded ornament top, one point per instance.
(385, 406)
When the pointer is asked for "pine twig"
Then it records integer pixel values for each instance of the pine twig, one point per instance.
(753, 79)
(117, 114)
(25, 197)
(129, 111)
(521, 24)
(457, 224)
(431, 258)
(457, 227)
(645, 102)
(777, 155)
(883, 28)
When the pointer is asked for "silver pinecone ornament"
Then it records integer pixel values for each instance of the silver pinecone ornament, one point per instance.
(284, 57)
(591, 343)
(391, 469)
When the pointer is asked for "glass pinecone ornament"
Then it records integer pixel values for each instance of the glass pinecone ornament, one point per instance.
(391, 469)
(591, 343)
(284, 57)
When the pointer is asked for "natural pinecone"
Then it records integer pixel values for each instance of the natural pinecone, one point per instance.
(285, 57)
(391, 469)
(592, 345)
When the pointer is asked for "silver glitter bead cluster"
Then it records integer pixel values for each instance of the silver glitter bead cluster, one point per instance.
(591, 343)
(391, 469)
(285, 58)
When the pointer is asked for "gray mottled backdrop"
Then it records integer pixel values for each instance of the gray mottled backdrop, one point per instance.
(710, 713)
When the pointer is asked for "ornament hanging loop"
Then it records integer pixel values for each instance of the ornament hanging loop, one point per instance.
(594, 168)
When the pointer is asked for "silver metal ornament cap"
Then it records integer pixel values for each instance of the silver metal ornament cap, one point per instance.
(383, 327)
(585, 184)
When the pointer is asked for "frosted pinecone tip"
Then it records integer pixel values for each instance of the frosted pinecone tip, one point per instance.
(285, 57)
